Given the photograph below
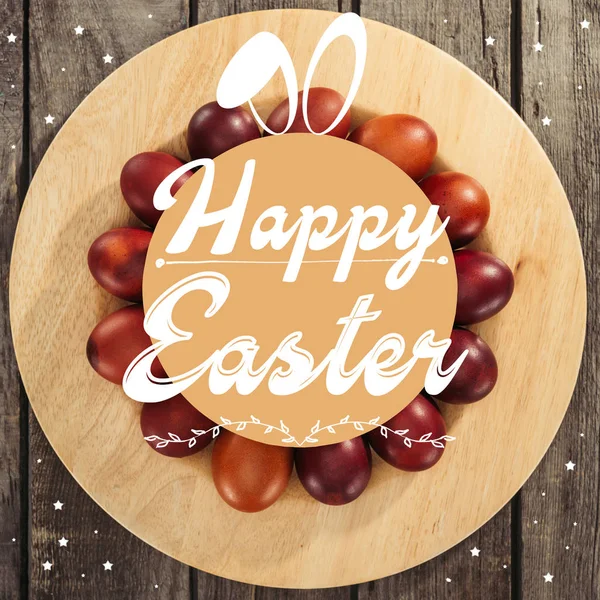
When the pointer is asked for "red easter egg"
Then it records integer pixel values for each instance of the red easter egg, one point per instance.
(116, 341)
(407, 141)
(461, 198)
(324, 104)
(140, 177)
(116, 260)
(249, 475)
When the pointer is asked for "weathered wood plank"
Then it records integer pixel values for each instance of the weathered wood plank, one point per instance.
(12, 410)
(210, 587)
(64, 68)
(340, 593)
(459, 28)
(214, 9)
(456, 573)
(570, 58)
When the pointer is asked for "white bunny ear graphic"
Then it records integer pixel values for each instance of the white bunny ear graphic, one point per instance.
(257, 61)
(249, 71)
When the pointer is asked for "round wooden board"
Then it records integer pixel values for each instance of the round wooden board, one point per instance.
(402, 519)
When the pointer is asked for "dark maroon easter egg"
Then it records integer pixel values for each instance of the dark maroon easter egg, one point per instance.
(213, 130)
(172, 427)
(485, 285)
(420, 418)
(477, 375)
(335, 474)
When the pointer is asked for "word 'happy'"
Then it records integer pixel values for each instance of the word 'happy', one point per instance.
(316, 229)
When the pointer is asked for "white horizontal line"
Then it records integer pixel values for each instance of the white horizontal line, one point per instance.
(274, 262)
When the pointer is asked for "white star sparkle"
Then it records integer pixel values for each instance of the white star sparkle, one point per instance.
(12, 38)
(538, 47)
(49, 119)
(489, 41)
(79, 30)
(47, 565)
(107, 566)
(548, 578)
(546, 121)
(475, 551)
(58, 504)
(570, 466)
(585, 24)
(108, 58)
(63, 542)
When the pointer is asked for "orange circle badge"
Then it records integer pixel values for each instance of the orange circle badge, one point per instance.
(299, 290)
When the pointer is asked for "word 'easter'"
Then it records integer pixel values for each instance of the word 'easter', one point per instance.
(381, 375)
(314, 230)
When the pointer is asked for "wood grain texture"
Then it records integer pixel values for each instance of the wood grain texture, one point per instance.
(570, 58)
(462, 36)
(480, 472)
(121, 30)
(211, 587)
(12, 410)
(339, 593)
(485, 577)
(212, 9)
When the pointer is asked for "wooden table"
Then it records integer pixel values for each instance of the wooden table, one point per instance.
(550, 527)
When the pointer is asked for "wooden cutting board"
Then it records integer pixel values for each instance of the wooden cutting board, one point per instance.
(402, 519)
